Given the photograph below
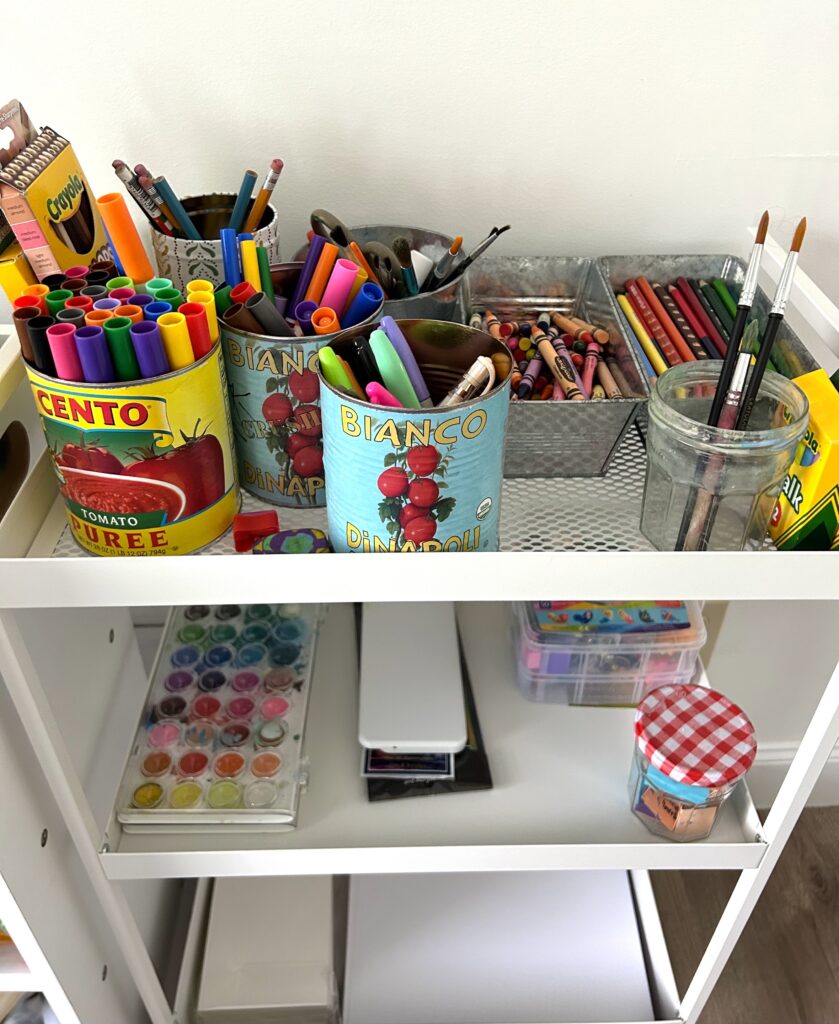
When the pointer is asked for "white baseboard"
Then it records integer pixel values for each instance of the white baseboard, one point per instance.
(770, 767)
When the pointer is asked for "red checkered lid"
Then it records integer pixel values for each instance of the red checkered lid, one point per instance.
(695, 735)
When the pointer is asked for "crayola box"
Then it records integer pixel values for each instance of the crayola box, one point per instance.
(806, 515)
(46, 197)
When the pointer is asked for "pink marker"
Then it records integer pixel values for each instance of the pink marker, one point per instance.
(339, 284)
(379, 395)
(62, 342)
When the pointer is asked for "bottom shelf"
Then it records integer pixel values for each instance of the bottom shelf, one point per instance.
(603, 958)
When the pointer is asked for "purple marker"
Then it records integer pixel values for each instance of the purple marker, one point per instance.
(155, 310)
(108, 303)
(142, 300)
(95, 355)
(403, 350)
(303, 315)
(281, 302)
(315, 248)
(148, 347)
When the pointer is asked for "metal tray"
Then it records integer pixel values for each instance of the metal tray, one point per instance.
(559, 439)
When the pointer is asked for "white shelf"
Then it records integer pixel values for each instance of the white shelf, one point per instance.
(559, 802)
(15, 976)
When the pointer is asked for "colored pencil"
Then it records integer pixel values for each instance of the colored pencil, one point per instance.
(240, 207)
(261, 201)
(670, 328)
(650, 321)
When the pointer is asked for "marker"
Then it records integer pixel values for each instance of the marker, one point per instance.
(303, 315)
(208, 301)
(36, 328)
(333, 370)
(97, 365)
(369, 299)
(175, 335)
(122, 351)
(380, 395)
(403, 349)
(230, 257)
(392, 370)
(62, 343)
(324, 321)
(148, 348)
(250, 264)
(156, 309)
(199, 329)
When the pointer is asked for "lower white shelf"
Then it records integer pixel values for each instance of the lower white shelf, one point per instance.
(585, 974)
(560, 798)
(15, 976)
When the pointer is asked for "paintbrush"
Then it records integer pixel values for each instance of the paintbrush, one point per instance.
(402, 251)
(774, 320)
(479, 250)
(441, 269)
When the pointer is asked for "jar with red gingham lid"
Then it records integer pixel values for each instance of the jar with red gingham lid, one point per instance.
(692, 747)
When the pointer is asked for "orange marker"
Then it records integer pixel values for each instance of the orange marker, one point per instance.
(324, 320)
(38, 290)
(134, 313)
(328, 255)
(97, 317)
(124, 237)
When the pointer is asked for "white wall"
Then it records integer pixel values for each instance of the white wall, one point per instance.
(592, 127)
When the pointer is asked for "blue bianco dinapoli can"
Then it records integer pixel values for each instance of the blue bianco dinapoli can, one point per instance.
(275, 408)
(422, 479)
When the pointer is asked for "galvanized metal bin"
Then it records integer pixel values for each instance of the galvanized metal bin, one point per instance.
(556, 439)
(789, 353)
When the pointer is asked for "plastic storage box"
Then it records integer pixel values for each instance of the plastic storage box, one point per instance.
(591, 652)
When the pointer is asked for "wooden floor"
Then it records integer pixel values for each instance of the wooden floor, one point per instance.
(785, 969)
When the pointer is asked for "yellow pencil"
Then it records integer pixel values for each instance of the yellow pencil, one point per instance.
(651, 352)
(250, 263)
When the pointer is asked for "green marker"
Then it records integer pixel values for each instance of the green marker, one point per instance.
(170, 295)
(55, 300)
(265, 272)
(157, 284)
(333, 370)
(392, 369)
(725, 295)
(223, 299)
(119, 282)
(121, 349)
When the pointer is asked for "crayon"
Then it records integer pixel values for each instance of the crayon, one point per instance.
(606, 380)
(561, 368)
(567, 326)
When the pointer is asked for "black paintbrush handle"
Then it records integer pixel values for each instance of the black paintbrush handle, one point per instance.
(728, 364)
(723, 384)
(752, 388)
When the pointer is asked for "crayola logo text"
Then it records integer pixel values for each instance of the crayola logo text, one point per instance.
(63, 205)
(445, 431)
(86, 411)
(274, 361)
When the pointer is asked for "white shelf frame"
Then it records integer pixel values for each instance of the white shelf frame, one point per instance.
(44, 582)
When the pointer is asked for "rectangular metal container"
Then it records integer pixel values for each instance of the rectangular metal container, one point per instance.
(789, 353)
(558, 439)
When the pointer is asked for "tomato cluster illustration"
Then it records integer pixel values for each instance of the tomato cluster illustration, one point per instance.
(295, 437)
(412, 505)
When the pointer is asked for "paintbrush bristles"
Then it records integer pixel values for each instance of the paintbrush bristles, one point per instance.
(798, 237)
(456, 244)
(762, 228)
(402, 251)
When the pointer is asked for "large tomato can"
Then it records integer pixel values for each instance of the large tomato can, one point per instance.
(426, 479)
(144, 467)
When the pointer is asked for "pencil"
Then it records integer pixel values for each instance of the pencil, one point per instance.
(261, 201)
(679, 322)
(670, 328)
(644, 340)
(648, 318)
(718, 306)
(698, 329)
(240, 206)
(176, 208)
(721, 288)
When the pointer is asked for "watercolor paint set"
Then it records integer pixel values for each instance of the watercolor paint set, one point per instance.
(220, 743)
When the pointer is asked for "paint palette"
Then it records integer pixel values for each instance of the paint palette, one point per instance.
(219, 745)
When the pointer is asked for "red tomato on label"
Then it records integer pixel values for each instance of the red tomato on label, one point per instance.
(308, 422)
(276, 408)
(423, 492)
(96, 458)
(393, 482)
(304, 386)
(308, 461)
(419, 530)
(197, 467)
(423, 459)
(297, 441)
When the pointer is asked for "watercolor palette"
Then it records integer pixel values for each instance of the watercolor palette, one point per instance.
(220, 741)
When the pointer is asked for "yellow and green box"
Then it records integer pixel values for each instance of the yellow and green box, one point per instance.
(807, 513)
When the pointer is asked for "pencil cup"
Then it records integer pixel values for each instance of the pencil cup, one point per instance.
(181, 260)
(451, 302)
(422, 479)
(708, 488)
(145, 467)
(275, 402)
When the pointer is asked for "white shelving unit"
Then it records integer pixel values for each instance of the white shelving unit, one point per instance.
(559, 800)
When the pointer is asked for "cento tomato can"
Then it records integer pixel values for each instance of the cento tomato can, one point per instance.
(145, 467)
(275, 404)
(423, 479)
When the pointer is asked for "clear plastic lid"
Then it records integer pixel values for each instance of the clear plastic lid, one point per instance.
(633, 625)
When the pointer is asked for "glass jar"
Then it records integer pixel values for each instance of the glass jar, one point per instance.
(673, 810)
(728, 480)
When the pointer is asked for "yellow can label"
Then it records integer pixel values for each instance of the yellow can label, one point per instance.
(144, 468)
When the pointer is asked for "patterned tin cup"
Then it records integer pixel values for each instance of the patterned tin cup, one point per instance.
(182, 260)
